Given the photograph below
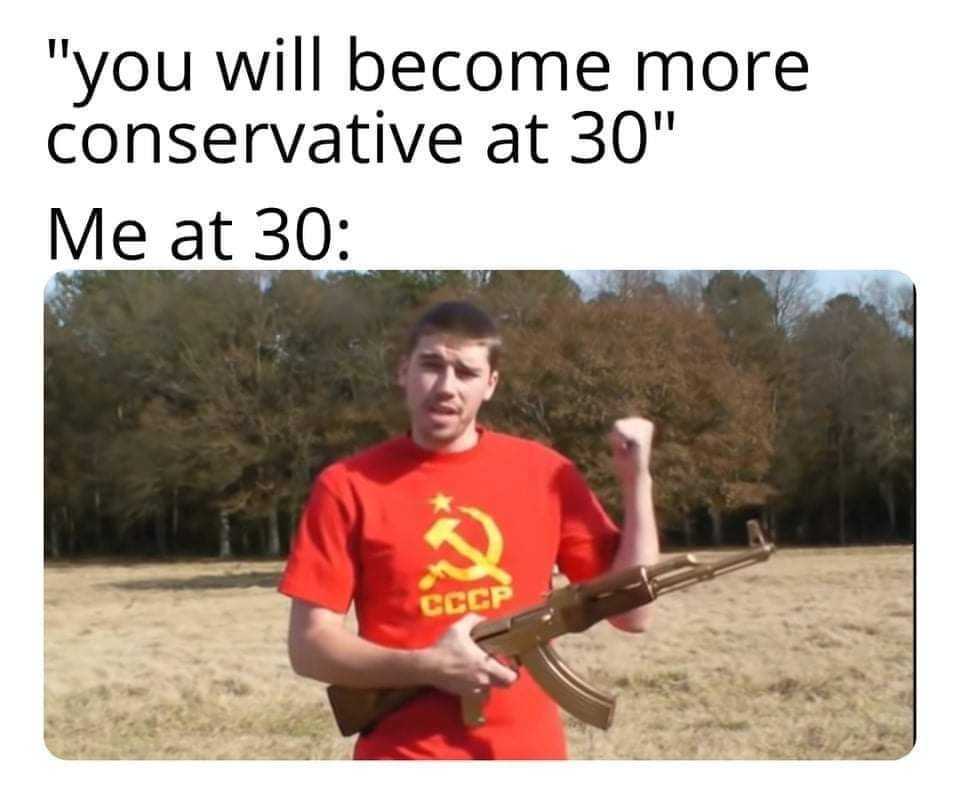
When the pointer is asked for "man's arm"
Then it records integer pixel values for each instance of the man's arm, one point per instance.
(631, 440)
(322, 648)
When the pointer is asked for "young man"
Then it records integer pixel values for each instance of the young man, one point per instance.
(429, 533)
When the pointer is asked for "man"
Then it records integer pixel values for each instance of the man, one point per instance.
(429, 533)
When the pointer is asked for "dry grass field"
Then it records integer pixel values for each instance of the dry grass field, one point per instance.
(807, 656)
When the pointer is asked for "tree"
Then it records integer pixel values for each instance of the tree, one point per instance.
(566, 380)
(109, 348)
(792, 294)
(886, 446)
(624, 284)
(746, 315)
(853, 427)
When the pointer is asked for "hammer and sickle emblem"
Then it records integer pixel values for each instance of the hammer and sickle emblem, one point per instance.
(443, 532)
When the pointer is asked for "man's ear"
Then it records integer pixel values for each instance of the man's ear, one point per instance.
(491, 385)
(402, 371)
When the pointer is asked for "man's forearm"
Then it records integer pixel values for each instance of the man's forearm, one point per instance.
(336, 655)
(322, 648)
(638, 538)
(639, 544)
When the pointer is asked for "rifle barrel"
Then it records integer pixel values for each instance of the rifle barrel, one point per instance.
(695, 572)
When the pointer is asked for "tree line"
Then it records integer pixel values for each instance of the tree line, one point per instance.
(186, 412)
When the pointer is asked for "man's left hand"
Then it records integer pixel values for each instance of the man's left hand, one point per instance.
(631, 440)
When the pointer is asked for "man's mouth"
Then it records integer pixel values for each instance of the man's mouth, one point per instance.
(443, 410)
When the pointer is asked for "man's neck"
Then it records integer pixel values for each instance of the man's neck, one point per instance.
(465, 441)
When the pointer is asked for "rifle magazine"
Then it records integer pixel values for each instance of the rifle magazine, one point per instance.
(580, 699)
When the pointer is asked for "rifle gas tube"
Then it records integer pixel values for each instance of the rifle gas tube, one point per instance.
(525, 637)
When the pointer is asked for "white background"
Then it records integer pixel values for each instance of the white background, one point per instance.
(858, 171)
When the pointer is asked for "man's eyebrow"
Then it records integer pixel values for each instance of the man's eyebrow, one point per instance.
(430, 356)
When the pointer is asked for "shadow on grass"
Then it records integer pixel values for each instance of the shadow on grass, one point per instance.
(247, 580)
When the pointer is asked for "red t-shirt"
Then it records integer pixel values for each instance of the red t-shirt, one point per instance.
(417, 539)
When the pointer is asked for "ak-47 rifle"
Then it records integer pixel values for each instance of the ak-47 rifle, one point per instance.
(525, 637)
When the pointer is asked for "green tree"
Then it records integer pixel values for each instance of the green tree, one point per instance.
(851, 431)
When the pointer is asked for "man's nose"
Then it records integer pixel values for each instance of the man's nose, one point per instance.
(446, 381)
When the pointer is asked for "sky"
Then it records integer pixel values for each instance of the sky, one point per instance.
(831, 282)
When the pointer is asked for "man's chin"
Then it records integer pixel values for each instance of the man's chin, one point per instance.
(441, 438)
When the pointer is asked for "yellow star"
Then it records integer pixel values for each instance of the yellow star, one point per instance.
(441, 503)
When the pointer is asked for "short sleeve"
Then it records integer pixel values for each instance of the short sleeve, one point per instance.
(321, 568)
(588, 538)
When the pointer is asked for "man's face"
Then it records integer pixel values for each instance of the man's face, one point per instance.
(446, 379)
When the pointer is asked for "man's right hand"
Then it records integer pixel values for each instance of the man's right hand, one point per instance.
(455, 663)
(322, 648)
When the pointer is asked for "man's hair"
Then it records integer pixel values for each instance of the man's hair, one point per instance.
(460, 319)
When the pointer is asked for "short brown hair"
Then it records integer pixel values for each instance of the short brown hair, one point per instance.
(461, 319)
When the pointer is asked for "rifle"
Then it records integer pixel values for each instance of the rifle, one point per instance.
(525, 637)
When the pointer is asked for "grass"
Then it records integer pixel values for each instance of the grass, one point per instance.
(809, 656)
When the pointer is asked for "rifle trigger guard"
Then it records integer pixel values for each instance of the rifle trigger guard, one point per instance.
(572, 693)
